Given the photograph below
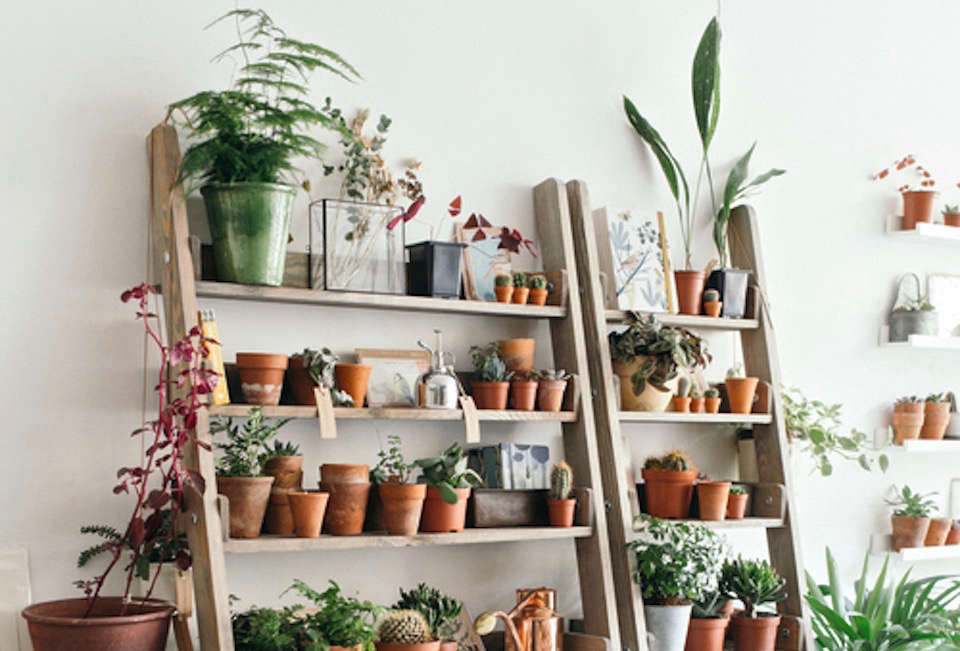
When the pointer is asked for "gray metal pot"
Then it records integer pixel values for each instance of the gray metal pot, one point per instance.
(904, 323)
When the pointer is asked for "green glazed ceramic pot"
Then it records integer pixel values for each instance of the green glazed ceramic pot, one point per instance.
(250, 224)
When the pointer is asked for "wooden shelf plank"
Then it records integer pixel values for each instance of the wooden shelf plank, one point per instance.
(681, 417)
(383, 541)
(745, 523)
(296, 295)
(924, 232)
(385, 413)
(690, 321)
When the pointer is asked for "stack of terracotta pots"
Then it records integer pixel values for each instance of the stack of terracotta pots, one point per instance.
(349, 489)
(287, 472)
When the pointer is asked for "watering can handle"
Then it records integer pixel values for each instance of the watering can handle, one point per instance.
(916, 280)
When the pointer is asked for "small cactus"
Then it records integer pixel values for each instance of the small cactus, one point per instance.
(953, 402)
(695, 391)
(537, 282)
(561, 481)
(683, 387)
(404, 627)
(519, 279)
(711, 296)
(711, 392)
(502, 280)
(736, 371)
(675, 460)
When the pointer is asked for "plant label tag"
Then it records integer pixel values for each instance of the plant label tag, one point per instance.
(328, 422)
(471, 419)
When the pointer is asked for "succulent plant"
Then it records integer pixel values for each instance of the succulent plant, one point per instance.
(519, 279)
(674, 460)
(442, 611)
(561, 481)
(447, 472)
(736, 371)
(937, 397)
(951, 209)
(538, 282)
(908, 503)
(320, 365)
(755, 583)
(953, 402)
(550, 374)
(711, 296)
(488, 365)
(404, 627)
(908, 400)
(711, 392)
(503, 280)
(284, 450)
(683, 387)
(738, 490)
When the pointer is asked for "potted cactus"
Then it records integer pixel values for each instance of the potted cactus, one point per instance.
(711, 302)
(741, 390)
(708, 623)
(911, 517)
(539, 289)
(405, 630)
(491, 383)
(711, 400)
(520, 290)
(907, 418)
(737, 503)
(681, 400)
(560, 503)
(402, 501)
(503, 288)
(668, 485)
(449, 482)
(951, 215)
(313, 368)
(696, 399)
(936, 416)
(285, 464)
(754, 583)
(553, 385)
(441, 612)
(523, 391)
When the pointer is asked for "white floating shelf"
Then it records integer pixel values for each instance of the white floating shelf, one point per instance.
(689, 417)
(883, 544)
(931, 342)
(927, 445)
(924, 231)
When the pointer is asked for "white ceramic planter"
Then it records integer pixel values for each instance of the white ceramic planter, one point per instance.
(667, 627)
(651, 398)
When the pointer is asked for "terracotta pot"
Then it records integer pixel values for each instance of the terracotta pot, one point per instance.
(737, 506)
(345, 473)
(755, 633)
(938, 532)
(301, 384)
(917, 207)
(287, 476)
(740, 394)
(248, 503)
(523, 394)
(504, 294)
(936, 417)
(696, 405)
(712, 308)
(712, 496)
(451, 646)
(689, 290)
(909, 407)
(906, 425)
(680, 403)
(517, 354)
(651, 398)
(561, 512)
(422, 646)
(520, 295)
(334, 647)
(953, 536)
(669, 492)
(539, 296)
(346, 508)
(909, 532)
(353, 379)
(706, 634)
(951, 220)
(61, 626)
(490, 395)
(440, 517)
(402, 507)
(308, 509)
(712, 405)
(550, 395)
(261, 377)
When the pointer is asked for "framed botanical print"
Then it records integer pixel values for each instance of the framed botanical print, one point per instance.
(638, 263)
(394, 374)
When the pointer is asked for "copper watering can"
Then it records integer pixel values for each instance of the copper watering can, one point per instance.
(532, 625)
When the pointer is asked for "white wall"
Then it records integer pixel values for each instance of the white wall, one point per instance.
(493, 97)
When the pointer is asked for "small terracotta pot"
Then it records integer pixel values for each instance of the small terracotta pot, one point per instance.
(737, 506)
(287, 476)
(712, 405)
(953, 536)
(917, 207)
(706, 634)
(539, 296)
(248, 503)
(449, 646)
(345, 473)
(561, 512)
(422, 646)
(938, 532)
(712, 308)
(523, 394)
(936, 417)
(669, 492)
(696, 405)
(353, 379)
(906, 425)
(689, 290)
(347, 506)
(308, 508)
(951, 219)
(740, 394)
(402, 507)
(490, 395)
(909, 532)
(261, 377)
(651, 398)
(61, 625)
(504, 294)
(517, 354)
(440, 517)
(550, 395)
(520, 295)
(712, 496)
(680, 403)
(334, 647)
(755, 633)
(301, 384)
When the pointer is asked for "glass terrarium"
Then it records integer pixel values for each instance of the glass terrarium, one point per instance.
(356, 247)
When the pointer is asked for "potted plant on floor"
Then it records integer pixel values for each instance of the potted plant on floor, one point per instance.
(240, 471)
(551, 388)
(681, 399)
(503, 288)
(936, 416)
(951, 215)
(917, 197)
(157, 485)
(405, 630)
(712, 400)
(649, 358)
(737, 503)
(402, 501)
(907, 419)
(676, 565)
(315, 368)
(244, 141)
(449, 482)
(911, 517)
(708, 624)
(741, 390)
(755, 584)
(539, 289)
(284, 463)
(668, 485)
(441, 612)
(561, 504)
(491, 384)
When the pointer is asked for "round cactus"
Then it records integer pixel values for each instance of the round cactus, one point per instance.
(502, 280)
(561, 481)
(519, 279)
(711, 296)
(404, 627)
(711, 392)
(537, 282)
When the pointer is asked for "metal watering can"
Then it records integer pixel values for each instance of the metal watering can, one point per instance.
(538, 626)
(439, 387)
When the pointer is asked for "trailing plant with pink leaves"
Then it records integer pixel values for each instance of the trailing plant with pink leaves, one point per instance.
(926, 181)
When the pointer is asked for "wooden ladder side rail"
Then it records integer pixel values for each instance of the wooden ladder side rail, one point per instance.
(761, 360)
(616, 490)
(170, 233)
(580, 437)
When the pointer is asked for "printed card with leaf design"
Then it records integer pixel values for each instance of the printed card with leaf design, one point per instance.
(638, 263)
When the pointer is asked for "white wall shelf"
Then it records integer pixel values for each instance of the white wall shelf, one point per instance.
(883, 544)
(930, 342)
(927, 445)
(924, 232)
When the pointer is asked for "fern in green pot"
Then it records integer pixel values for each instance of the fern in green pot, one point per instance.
(242, 142)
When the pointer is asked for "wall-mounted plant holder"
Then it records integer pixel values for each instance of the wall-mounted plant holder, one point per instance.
(912, 316)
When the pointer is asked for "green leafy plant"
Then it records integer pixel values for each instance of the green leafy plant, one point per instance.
(448, 472)
(676, 563)
(561, 481)
(246, 449)
(320, 366)
(738, 490)
(909, 400)
(675, 460)
(919, 304)
(905, 614)
(488, 365)
(907, 503)
(267, 629)
(503, 280)
(252, 132)
(391, 466)
(755, 583)
(161, 546)
(336, 619)
(441, 611)
(667, 349)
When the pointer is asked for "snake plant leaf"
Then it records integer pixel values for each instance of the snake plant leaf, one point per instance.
(671, 170)
(706, 82)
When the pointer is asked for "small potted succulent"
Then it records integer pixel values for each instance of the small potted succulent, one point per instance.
(911, 517)
(936, 416)
(520, 290)
(491, 383)
(696, 399)
(712, 303)
(712, 400)
(741, 390)
(313, 368)
(681, 399)
(668, 485)
(560, 503)
(951, 215)
(712, 497)
(737, 503)
(261, 377)
(449, 483)
(755, 584)
(523, 391)
(284, 463)
(442, 612)
(539, 289)
(402, 500)
(907, 418)
(708, 623)
(405, 630)
(553, 385)
(503, 287)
